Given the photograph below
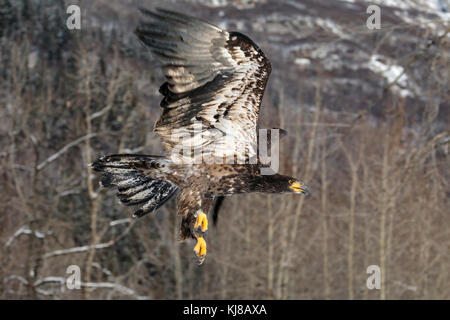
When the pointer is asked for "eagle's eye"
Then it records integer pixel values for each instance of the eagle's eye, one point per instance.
(291, 181)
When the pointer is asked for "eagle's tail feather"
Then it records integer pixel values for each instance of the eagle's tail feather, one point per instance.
(127, 173)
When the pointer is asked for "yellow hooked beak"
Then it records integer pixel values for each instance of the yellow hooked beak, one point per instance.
(300, 187)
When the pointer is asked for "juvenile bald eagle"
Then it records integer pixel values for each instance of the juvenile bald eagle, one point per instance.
(215, 81)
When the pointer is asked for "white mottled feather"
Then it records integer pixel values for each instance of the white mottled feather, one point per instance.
(213, 77)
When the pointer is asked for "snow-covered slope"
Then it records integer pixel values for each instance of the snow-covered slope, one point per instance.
(358, 68)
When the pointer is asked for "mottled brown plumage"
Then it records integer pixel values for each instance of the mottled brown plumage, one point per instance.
(214, 85)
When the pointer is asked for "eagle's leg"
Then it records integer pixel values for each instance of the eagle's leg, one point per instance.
(201, 222)
(200, 229)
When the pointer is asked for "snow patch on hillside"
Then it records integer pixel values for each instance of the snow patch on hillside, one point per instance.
(391, 72)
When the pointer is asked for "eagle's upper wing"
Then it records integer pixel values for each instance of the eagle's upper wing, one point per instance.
(215, 83)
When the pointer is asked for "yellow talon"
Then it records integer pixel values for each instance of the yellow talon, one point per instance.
(201, 221)
(200, 249)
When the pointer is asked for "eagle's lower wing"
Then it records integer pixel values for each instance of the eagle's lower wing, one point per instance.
(215, 83)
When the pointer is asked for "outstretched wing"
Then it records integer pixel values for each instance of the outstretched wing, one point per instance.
(215, 83)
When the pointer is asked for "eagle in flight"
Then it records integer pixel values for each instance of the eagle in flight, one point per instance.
(215, 81)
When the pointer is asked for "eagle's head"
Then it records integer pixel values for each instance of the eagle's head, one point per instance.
(297, 186)
(278, 183)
